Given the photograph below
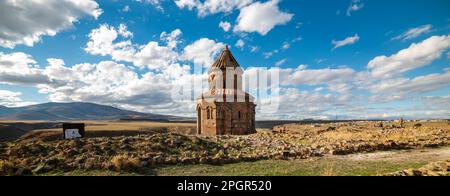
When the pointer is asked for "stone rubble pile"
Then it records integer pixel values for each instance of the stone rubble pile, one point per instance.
(441, 168)
(165, 148)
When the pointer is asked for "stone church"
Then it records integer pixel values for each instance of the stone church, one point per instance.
(225, 109)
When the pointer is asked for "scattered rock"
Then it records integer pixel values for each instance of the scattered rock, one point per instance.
(294, 141)
(441, 168)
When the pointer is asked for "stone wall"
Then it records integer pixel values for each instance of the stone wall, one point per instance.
(226, 118)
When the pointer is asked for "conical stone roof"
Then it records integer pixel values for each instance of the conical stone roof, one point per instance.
(225, 60)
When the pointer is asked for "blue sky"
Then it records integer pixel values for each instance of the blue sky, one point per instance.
(350, 58)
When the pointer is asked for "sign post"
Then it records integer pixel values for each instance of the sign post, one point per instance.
(73, 130)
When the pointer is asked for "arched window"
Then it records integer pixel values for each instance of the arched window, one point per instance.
(212, 113)
(208, 113)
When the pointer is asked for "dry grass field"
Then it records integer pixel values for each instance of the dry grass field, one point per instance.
(52, 130)
(159, 148)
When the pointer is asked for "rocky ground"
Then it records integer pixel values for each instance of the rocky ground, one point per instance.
(162, 147)
(440, 168)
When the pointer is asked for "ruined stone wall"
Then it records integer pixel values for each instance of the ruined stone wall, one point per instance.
(207, 123)
(235, 118)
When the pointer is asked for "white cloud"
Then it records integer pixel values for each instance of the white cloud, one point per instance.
(202, 52)
(286, 45)
(156, 3)
(316, 103)
(401, 87)
(172, 39)
(340, 80)
(126, 8)
(414, 32)
(103, 41)
(355, 5)
(20, 68)
(347, 41)
(154, 56)
(226, 26)
(417, 55)
(268, 54)
(308, 105)
(343, 88)
(25, 21)
(256, 49)
(123, 31)
(302, 76)
(108, 83)
(115, 84)
(12, 99)
(319, 61)
(437, 101)
(297, 39)
(209, 7)
(280, 62)
(240, 44)
(261, 17)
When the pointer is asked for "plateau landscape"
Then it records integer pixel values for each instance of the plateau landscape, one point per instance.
(236, 88)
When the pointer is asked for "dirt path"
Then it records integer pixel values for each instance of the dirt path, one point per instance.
(414, 155)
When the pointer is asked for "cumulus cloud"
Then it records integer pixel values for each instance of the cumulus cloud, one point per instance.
(308, 105)
(417, 55)
(340, 80)
(108, 40)
(106, 82)
(112, 83)
(123, 31)
(101, 40)
(20, 68)
(172, 39)
(406, 86)
(12, 99)
(275, 100)
(25, 21)
(202, 52)
(261, 17)
(347, 41)
(209, 7)
(154, 56)
(226, 26)
(303, 76)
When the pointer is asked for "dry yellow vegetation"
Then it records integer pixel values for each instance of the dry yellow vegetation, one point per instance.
(137, 146)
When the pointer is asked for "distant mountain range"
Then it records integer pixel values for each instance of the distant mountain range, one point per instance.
(75, 111)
